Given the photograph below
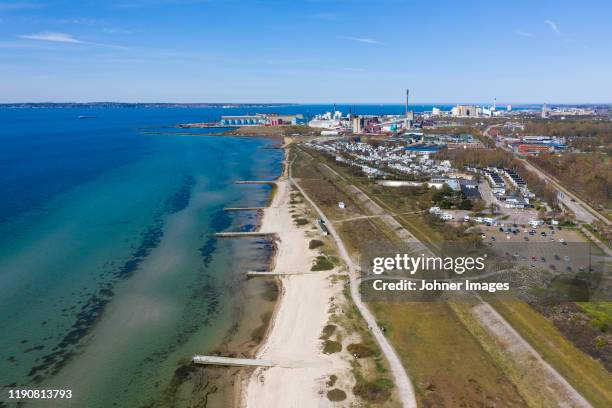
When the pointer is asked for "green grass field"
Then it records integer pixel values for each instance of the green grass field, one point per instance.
(447, 365)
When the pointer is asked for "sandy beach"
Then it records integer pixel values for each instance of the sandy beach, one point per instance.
(293, 338)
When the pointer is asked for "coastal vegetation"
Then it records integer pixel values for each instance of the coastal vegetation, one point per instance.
(332, 380)
(377, 391)
(315, 243)
(360, 350)
(328, 330)
(331, 347)
(322, 263)
(301, 221)
(336, 395)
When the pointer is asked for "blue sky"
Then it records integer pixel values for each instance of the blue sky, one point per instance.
(306, 51)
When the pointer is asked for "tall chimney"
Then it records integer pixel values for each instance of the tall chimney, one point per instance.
(407, 92)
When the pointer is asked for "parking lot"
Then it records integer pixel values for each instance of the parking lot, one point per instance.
(545, 246)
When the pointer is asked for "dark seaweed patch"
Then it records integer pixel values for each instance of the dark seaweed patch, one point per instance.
(247, 228)
(220, 221)
(207, 250)
(91, 310)
(179, 200)
(150, 239)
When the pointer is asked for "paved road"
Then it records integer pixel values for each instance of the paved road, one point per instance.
(405, 390)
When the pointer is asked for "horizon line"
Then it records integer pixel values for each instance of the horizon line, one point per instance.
(501, 105)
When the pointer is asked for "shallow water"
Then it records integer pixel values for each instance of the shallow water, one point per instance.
(110, 276)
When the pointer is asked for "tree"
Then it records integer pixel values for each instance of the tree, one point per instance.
(465, 204)
(478, 206)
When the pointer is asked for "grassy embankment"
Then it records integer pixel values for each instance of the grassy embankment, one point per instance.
(585, 374)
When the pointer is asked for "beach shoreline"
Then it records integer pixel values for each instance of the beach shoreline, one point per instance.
(302, 310)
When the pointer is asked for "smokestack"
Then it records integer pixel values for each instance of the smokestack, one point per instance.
(407, 93)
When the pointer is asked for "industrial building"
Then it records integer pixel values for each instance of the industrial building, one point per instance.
(466, 111)
(261, 119)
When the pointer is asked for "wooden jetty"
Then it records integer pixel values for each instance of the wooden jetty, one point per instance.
(255, 182)
(231, 361)
(266, 273)
(244, 208)
(244, 234)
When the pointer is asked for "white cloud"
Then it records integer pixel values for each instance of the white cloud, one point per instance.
(524, 33)
(553, 26)
(362, 40)
(52, 36)
(49, 36)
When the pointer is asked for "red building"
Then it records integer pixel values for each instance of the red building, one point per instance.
(534, 149)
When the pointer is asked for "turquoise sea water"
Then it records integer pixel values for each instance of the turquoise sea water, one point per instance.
(110, 277)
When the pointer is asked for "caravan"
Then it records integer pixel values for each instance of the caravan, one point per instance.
(535, 223)
(446, 216)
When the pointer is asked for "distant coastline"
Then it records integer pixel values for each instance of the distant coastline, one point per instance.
(234, 105)
(34, 105)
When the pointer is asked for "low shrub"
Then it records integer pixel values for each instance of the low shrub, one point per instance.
(315, 243)
(360, 350)
(377, 391)
(301, 221)
(322, 263)
(331, 347)
(332, 380)
(336, 395)
(328, 331)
